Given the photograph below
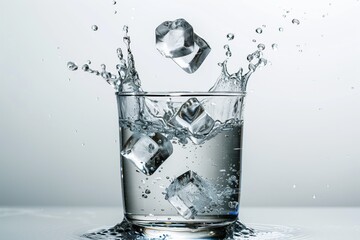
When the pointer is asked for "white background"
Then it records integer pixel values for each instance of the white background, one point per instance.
(59, 130)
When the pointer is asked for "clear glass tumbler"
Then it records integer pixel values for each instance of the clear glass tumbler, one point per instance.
(181, 161)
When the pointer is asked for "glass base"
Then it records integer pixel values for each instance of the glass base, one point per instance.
(128, 231)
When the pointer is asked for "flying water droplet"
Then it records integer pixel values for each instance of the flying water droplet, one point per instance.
(295, 21)
(94, 27)
(85, 67)
(126, 29)
(274, 46)
(261, 47)
(230, 36)
(259, 30)
(72, 66)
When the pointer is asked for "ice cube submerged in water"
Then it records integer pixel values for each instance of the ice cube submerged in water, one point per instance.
(190, 194)
(192, 116)
(177, 40)
(147, 153)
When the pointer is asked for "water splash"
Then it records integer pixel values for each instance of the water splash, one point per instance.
(237, 82)
(127, 78)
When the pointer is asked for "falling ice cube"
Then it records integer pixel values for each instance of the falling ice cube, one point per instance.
(175, 38)
(192, 116)
(191, 194)
(147, 152)
(191, 62)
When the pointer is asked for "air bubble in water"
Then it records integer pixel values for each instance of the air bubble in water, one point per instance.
(94, 27)
(261, 47)
(72, 66)
(274, 46)
(295, 21)
(259, 30)
(230, 36)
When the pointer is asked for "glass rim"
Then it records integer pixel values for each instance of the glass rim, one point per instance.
(182, 93)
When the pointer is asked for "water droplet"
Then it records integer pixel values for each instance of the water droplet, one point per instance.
(97, 98)
(230, 36)
(262, 62)
(88, 62)
(126, 29)
(259, 30)
(295, 21)
(94, 27)
(144, 196)
(115, 12)
(83, 144)
(85, 67)
(294, 186)
(281, 29)
(261, 47)
(314, 196)
(147, 191)
(72, 66)
(274, 46)
(352, 87)
(114, 2)
(327, 186)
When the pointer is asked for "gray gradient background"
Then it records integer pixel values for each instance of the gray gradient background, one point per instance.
(58, 129)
